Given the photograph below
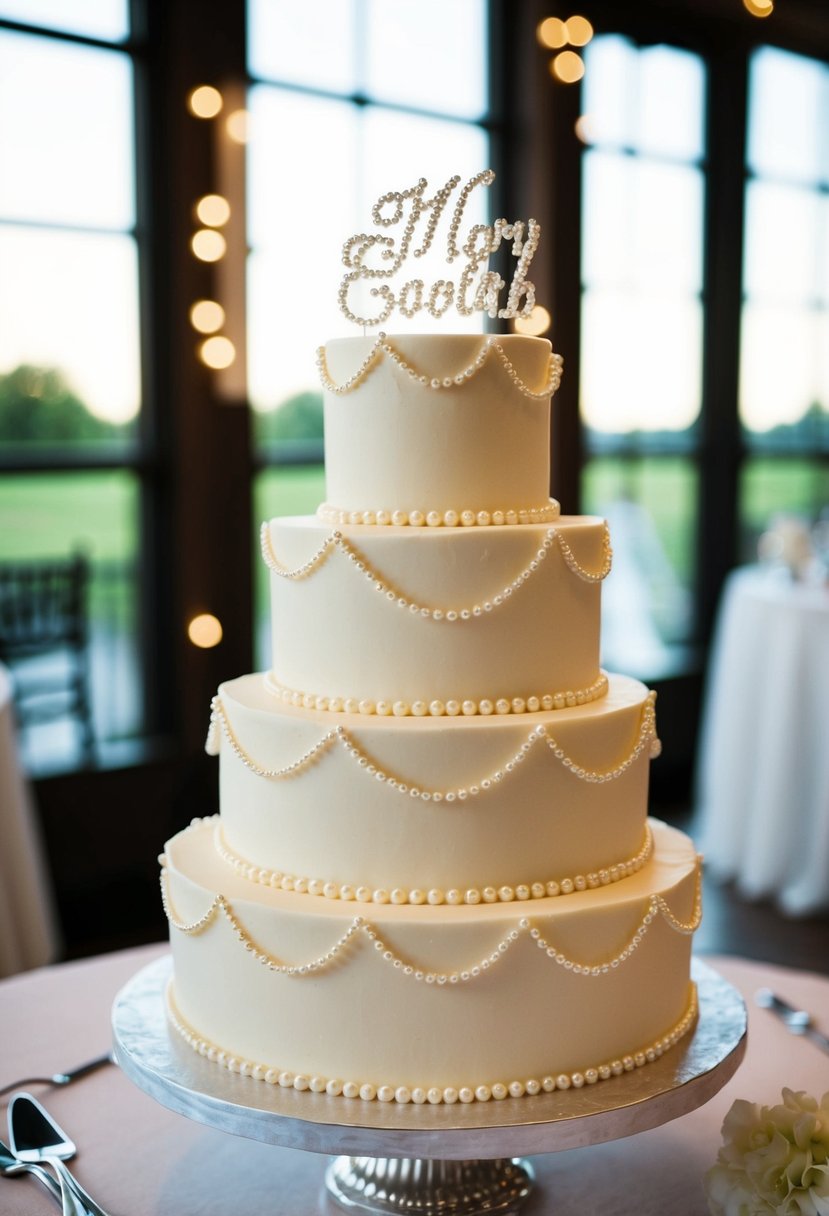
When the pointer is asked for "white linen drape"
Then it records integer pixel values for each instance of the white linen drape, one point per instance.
(763, 773)
(28, 931)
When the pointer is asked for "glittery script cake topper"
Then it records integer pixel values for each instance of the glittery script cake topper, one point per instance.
(376, 256)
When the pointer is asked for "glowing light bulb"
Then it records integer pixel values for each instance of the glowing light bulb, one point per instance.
(205, 631)
(538, 322)
(237, 126)
(583, 127)
(759, 8)
(207, 316)
(579, 31)
(213, 210)
(217, 352)
(552, 33)
(568, 67)
(208, 245)
(205, 101)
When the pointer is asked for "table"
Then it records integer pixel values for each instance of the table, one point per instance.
(139, 1159)
(29, 937)
(763, 771)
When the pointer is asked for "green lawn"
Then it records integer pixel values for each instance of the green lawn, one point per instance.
(46, 515)
(665, 488)
(50, 514)
(294, 490)
(787, 485)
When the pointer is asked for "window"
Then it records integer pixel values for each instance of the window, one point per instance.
(784, 370)
(641, 355)
(347, 101)
(70, 384)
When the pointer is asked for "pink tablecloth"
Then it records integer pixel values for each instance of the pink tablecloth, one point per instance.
(139, 1159)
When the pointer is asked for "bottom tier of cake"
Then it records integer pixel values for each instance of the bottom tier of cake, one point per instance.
(430, 1003)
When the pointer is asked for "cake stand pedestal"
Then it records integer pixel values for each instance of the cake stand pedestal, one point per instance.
(458, 1160)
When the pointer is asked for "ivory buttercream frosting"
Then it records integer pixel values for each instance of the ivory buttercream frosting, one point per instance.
(432, 877)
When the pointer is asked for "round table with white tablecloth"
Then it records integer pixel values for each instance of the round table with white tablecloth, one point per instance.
(29, 935)
(763, 771)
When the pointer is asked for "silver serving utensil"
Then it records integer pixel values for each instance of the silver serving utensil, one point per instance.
(11, 1167)
(59, 1078)
(36, 1137)
(799, 1021)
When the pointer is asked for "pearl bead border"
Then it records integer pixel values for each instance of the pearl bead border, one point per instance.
(336, 541)
(383, 346)
(430, 518)
(467, 707)
(219, 905)
(454, 896)
(645, 740)
(431, 1095)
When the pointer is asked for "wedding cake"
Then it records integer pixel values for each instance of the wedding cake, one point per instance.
(433, 878)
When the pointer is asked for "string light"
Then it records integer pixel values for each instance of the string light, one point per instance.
(205, 101)
(217, 352)
(208, 245)
(552, 33)
(583, 127)
(759, 8)
(237, 126)
(213, 210)
(579, 31)
(537, 323)
(568, 67)
(207, 316)
(205, 631)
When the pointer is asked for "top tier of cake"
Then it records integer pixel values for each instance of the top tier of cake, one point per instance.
(438, 429)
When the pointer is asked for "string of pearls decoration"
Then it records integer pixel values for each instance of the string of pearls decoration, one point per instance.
(430, 518)
(432, 1095)
(335, 541)
(573, 563)
(383, 346)
(364, 761)
(219, 905)
(361, 893)
(436, 708)
(485, 178)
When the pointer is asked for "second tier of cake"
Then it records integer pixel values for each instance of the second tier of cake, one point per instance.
(433, 809)
(401, 617)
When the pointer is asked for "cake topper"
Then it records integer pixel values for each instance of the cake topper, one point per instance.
(376, 256)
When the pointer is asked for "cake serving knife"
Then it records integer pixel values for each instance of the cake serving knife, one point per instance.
(798, 1021)
(60, 1078)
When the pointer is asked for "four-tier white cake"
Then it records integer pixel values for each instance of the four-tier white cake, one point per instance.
(432, 877)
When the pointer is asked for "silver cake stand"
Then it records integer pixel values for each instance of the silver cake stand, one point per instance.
(433, 1160)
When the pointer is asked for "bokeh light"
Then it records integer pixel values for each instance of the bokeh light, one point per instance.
(208, 245)
(237, 126)
(207, 316)
(568, 67)
(537, 323)
(552, 33)
(213, 210)
(217, 352)
(584, 129)
(205, 101)
(579, 31)
(759, 8)
(205, 631)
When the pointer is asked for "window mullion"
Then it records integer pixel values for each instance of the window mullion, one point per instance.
(720, 443)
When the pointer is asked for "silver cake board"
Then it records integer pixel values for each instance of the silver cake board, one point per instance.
(436, 1160)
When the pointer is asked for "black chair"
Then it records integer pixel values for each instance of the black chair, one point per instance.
(43, 615)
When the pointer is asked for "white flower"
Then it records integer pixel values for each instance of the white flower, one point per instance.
(773, 1160)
